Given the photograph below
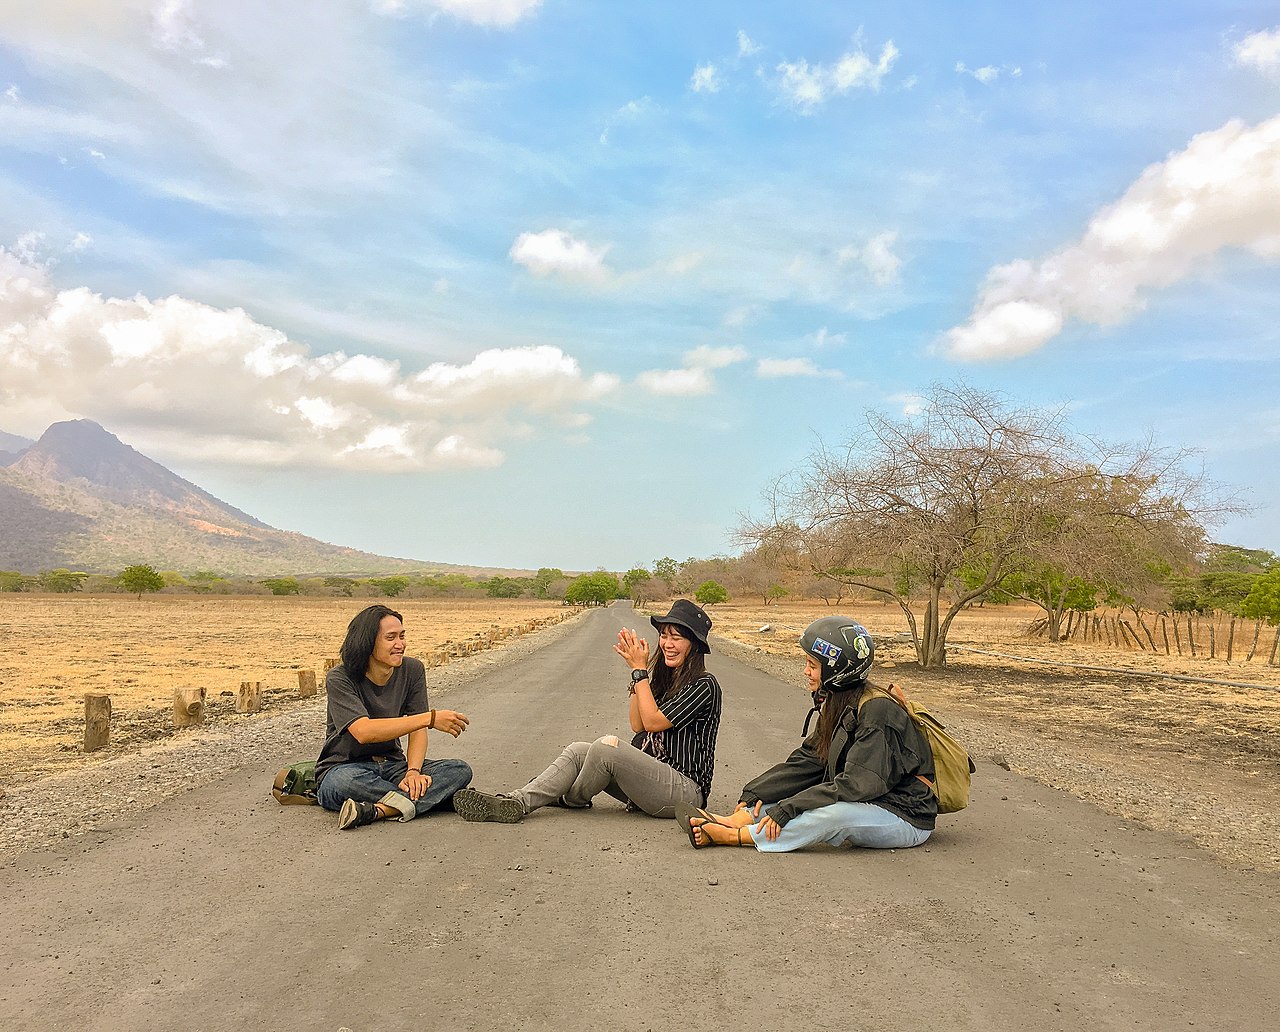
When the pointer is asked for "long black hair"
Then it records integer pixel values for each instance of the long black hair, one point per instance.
(666, 683)
(362, 633)
(829, 716)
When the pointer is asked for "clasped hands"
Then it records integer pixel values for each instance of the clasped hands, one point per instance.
(633, 648)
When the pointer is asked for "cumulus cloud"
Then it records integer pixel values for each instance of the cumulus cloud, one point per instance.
(747, 48)
(877, 257)
(704, 79)
(500, 14)
(1261, 51)
(775, 368)
(1221, 191)
(555, 252)
(806, 87)
(217, 385)
(695, 377)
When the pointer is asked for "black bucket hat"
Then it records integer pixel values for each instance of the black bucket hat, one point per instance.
(693, 618)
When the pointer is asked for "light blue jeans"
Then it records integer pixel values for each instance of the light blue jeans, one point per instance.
(842, 824)
(370, 780)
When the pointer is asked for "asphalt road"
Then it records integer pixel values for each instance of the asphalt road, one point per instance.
(1031, 910)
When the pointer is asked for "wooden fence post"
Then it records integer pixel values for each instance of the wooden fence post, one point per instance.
(1164, 633)
(1213, 638)
(97, 720)
(188, 707)
(249, 700)
(1191, 638)
(306, 684)
(1231, 636)
(1253, 645)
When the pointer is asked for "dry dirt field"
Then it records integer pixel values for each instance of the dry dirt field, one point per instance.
(54, 648)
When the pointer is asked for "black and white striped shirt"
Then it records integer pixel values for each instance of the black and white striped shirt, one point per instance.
(689, 744)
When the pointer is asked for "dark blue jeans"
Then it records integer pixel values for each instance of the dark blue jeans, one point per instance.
(370, 780)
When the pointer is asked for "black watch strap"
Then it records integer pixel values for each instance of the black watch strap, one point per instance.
(638, 675)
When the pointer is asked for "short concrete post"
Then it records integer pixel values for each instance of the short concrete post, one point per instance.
(306, 684)
(249, 698)
(188, 707)
(97, 720)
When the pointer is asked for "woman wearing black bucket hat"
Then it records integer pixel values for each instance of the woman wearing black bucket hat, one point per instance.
(674, 709)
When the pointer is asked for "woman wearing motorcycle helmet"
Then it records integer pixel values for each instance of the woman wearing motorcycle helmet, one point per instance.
(860, 779)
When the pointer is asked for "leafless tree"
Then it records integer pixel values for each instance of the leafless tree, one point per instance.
(942, 507)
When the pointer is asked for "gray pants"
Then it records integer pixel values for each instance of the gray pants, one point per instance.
(585, 769)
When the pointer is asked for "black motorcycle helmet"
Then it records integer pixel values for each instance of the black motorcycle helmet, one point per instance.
(845, 651)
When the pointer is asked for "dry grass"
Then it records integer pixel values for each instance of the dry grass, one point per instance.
(55, 648)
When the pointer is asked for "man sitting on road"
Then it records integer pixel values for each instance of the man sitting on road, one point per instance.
(376, 696)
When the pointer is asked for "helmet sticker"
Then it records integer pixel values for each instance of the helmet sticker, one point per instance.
(860, 648)
(831, 653)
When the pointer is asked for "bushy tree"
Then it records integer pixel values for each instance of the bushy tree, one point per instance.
(389, 586)
(1263, 600)
(595, 589)
(344, 586)
(62, 581)
(282, 585)
(505, 587)
(710, 593)
(139, 579)
(12, 580)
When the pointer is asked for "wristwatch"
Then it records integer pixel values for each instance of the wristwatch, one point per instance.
(638, 675)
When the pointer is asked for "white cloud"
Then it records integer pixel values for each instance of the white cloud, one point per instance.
(823, 339)
(806, 87)
(214, 384)
(774, 368)
(704, 79)
(12, 93)
(877, 257)
(714, 358)
(500, 14)
(553, 251)
(685, 382)
(695, 377)
(80, 242)
(746, 48)
(1261, 51)
(988, 74)
(1221, 191)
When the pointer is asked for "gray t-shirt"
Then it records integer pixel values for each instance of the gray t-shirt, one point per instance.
(403, 694)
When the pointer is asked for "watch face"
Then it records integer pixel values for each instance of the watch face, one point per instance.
(638, 675)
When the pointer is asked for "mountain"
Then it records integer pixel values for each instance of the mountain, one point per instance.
(12, 446)
(80, 498)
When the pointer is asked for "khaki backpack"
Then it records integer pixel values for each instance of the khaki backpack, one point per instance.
(951, 763)
(295, 785)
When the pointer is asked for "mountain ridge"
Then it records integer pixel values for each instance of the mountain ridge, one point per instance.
(80, 497)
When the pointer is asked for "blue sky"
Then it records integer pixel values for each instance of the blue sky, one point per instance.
(520, 283)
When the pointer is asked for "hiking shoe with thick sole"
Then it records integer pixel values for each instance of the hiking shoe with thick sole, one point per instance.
(355, 813)
(473, 805)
